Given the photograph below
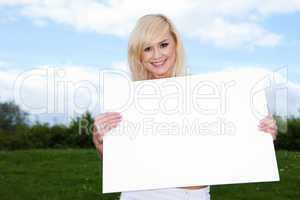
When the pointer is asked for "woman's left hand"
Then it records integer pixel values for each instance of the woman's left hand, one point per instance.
(268, 125)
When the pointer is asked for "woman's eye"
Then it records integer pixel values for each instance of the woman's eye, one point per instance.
(147, 49)
(163, 45)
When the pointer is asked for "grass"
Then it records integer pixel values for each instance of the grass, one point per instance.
(75, 174)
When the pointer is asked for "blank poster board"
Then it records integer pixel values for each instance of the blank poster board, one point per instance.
(187, 131)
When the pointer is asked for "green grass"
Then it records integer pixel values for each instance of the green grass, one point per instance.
(75, 174)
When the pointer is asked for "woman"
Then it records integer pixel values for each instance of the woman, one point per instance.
(155, 51)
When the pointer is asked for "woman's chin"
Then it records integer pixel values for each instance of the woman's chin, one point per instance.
(161, 74)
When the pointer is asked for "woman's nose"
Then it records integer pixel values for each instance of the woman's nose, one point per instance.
(157, 53)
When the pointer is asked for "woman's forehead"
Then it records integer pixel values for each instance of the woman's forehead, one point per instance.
(159, 38)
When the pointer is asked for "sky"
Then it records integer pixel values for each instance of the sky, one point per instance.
(81, 37)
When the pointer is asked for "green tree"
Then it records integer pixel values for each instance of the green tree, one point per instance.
(81, 130)
(11, 116)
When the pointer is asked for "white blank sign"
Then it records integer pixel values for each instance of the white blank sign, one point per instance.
(187, 131)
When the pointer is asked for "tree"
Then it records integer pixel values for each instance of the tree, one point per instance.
(81, 130)
(11, 116)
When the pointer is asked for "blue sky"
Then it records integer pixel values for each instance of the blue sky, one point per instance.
(24, 44)
(216, 35)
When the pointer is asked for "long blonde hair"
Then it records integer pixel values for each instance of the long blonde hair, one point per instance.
(146, 30)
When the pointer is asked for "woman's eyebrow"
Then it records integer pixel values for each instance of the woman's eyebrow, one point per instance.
(165, 40)
(149, 44)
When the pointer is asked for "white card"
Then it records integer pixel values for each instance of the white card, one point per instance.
(187, 131)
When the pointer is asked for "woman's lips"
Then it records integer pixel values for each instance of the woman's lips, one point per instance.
(159, 64)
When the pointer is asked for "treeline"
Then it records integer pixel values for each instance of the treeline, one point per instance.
(17, 133)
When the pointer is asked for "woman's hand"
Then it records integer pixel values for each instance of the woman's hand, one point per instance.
(102, 124)
(268, 125)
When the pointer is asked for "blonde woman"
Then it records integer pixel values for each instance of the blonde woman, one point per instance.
(155, 51)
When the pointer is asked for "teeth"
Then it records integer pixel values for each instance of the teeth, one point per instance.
(158, 64)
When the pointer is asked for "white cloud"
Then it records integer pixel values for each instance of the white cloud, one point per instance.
(230, 35)
(279, 6)
(239, 22)
(18, 2)
(121, 65)
(69, 90)
(62, 92)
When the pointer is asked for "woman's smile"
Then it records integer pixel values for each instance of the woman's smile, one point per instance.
(159, 63)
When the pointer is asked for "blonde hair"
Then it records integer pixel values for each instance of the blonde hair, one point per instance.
(146, 30)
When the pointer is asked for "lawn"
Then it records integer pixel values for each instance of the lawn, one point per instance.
(75, 174)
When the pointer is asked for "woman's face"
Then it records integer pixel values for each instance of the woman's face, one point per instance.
(159, 56)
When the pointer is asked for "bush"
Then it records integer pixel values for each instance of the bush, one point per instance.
(289, 134)
(77, 135)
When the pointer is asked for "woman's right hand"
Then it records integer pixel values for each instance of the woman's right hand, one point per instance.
(103, 124)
